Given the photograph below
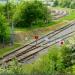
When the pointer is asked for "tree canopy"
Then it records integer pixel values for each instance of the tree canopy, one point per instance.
(4, 29)
(65, 3)
(30, 13)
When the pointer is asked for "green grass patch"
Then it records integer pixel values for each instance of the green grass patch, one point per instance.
(70, 16)
(70, 13)
(8, 49)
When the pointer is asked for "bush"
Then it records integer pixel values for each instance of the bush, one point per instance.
(1, 8)
(65, 3)
(56, 3)
(53, 63)
(29, 13)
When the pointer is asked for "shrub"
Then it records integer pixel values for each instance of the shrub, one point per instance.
(56, 3)
(53, 63)
(31, 13)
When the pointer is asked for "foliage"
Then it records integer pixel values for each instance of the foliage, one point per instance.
(56, 3)
(72, 5)
(49, 64)
(65, 3)
(8, 49)
(1, 8)
(9, 9)
(31, 13)
(4, 29)
(67, 52)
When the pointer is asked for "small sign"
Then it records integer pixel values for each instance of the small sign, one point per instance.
(36, 37)
(61, 42)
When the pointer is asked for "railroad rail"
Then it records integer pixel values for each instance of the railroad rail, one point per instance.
(35, 52)
(26, 50)
(58, 14)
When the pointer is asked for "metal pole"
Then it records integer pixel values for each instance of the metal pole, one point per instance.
(3, 39)
(12, 25)
(8, 11)
(12, 34)
(3, 43)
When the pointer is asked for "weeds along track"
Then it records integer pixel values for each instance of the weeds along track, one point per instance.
(27, 55)
(29, 49)
(35, 51)
(59, 14)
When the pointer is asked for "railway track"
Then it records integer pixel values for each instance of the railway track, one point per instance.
(27, 56)
(55, 14)
(58, 14)
(29, 49)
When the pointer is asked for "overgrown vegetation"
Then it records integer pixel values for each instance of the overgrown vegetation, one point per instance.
(56, 62)
(8, 49)
(31, 13)
(65, 3)
(6, 13)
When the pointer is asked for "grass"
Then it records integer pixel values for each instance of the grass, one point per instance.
(70, 16)
(8, 49)
(73, 69)
(44, 29)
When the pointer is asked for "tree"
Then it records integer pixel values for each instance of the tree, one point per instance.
(4, 29)
(56, 3)
(1, 8)
(9, 9)
(72, 5)
(30, 13)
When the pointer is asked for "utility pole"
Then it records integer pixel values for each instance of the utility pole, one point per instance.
(12, 33)
(17, 1)
(7, 3)
(10, 22)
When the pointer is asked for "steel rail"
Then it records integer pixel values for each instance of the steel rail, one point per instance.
(31, 49)
(26, 52)
(69, 25)
(64, 37)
